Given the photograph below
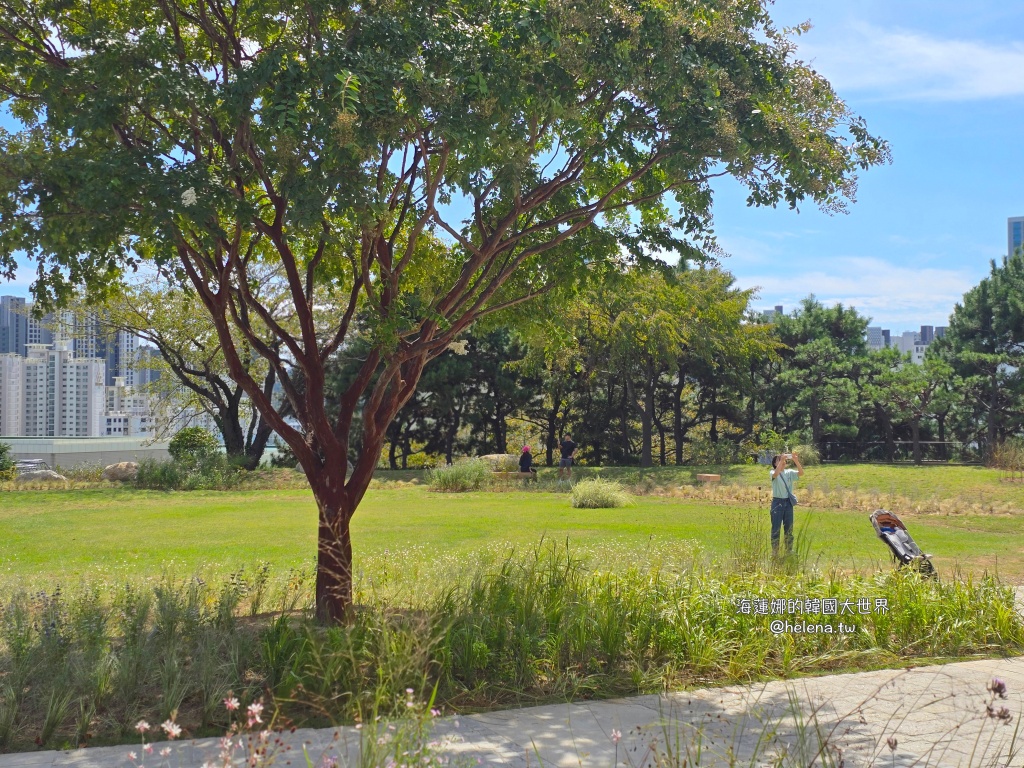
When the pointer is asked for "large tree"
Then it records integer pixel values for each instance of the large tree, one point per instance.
(816, 386)
(194, 374)
(407, 166)
(985, 345)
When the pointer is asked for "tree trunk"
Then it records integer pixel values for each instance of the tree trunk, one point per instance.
(890, 440)
(815, 423)
(713, 432)
(231, 430)
(393, 454)
(256, 447)
(552, 432)
(993, 409)
(449, 440)
(500, 429)
(677, 414)
(915, 436)
(752, 404)
(943, 453)
(647, 427)
(624, 422)
(334, 565)
(661, 439)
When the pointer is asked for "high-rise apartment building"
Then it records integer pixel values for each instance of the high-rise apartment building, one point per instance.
(12, 400)
(63, 395)
(876, 338)
(1014, 235)
(40, 331)
(128, 413)
(13, 325)
(121, 356)
(91, 337)
(927, 334)
(910, 343)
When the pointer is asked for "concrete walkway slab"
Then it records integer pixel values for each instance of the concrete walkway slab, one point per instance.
(934, 716)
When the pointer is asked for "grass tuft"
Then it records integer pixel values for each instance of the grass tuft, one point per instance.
(598, 493)
(460, 477)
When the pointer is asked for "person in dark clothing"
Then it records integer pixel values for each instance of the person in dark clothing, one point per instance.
(568, 448)
(526, 461)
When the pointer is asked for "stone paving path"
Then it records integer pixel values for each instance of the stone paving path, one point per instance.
(934, 716)
(937, 716)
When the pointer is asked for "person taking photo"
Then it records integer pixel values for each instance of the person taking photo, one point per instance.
(783, 499)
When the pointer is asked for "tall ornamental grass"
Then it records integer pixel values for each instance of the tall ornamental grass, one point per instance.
(598, 493)
(462, 476)
(83, 665)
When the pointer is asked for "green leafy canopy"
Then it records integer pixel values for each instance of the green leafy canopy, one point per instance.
(404, 169)
(153, 125)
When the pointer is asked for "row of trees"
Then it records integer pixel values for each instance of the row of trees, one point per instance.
(662, 366)
(654, 368)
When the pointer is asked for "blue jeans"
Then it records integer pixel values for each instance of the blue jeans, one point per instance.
(782, 515)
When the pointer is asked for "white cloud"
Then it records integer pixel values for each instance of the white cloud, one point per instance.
(895, 296)
(891, 64)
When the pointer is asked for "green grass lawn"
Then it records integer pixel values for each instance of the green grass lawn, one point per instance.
(47, 536)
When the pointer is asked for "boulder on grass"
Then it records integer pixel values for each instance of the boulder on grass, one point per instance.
(121, 472)
(40, 474)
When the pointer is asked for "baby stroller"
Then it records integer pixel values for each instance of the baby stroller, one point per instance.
(905, 551)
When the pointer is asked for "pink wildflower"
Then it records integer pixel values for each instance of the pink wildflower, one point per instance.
(616, 736)
(171, 728)
(255, 710)
(142, 726)
(231, 704)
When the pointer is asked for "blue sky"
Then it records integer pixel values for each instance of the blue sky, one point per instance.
(944, 83)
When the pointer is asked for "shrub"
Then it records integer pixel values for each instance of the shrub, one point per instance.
(1008, 455)
(210, 473)
(771, 441)
(598, 493)
(192, 444)
(7, 471)
(459, 477)
(808, 454)
(85, 473)
(284, 457)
